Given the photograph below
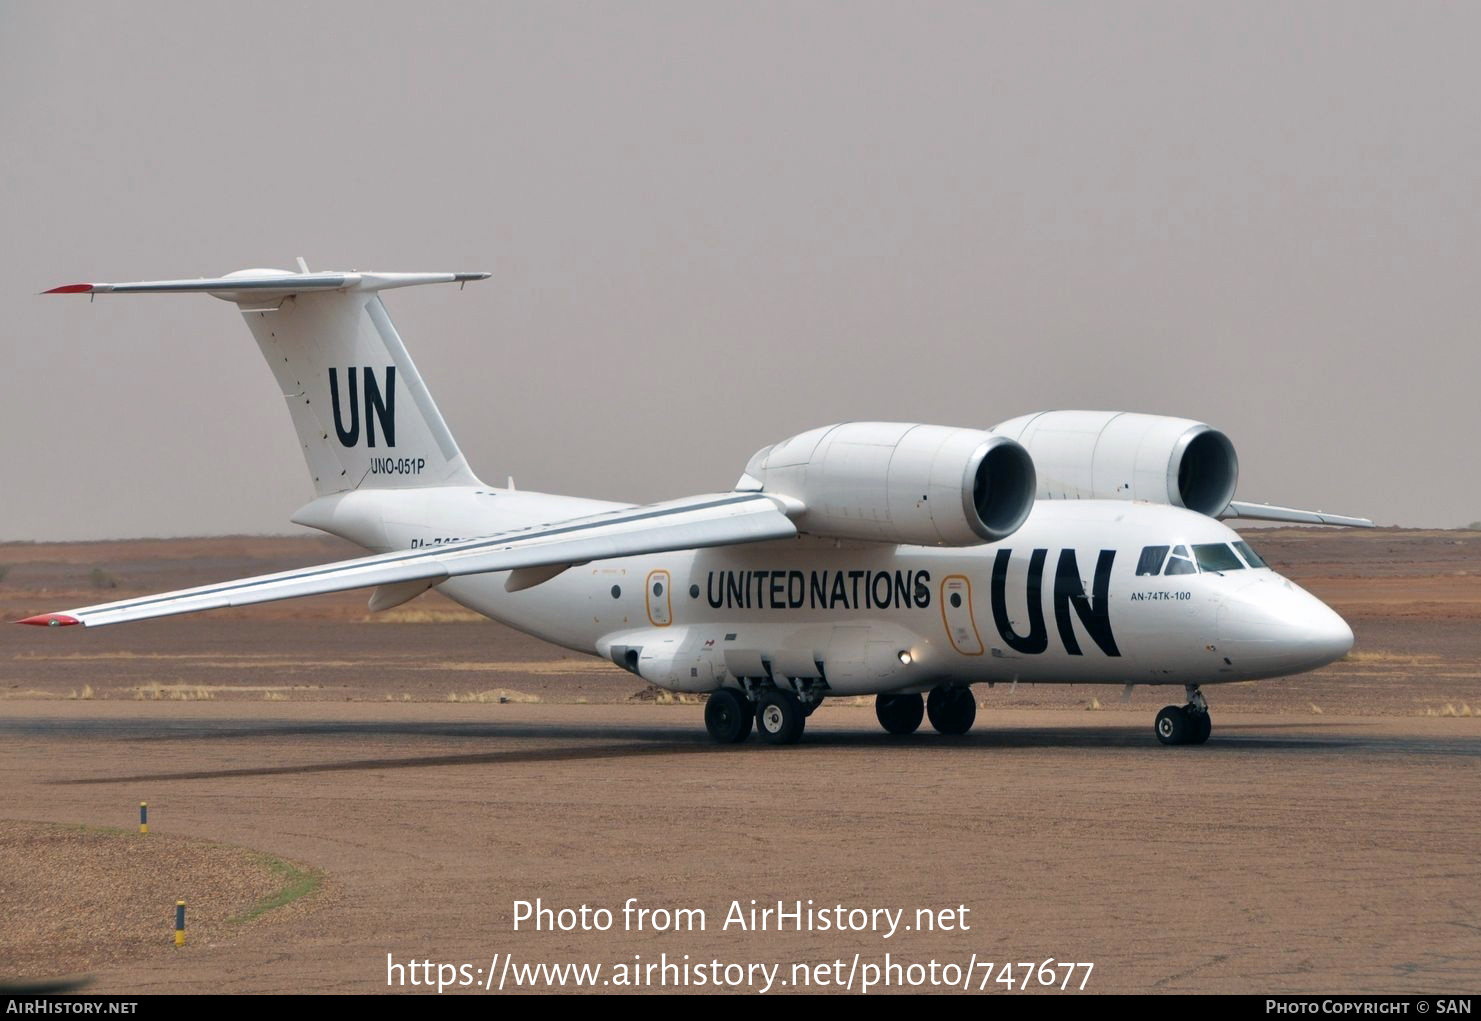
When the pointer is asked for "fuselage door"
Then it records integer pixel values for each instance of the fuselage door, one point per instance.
(660, 605)
(956, 614)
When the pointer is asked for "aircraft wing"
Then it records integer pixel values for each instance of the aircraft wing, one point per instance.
(1266, 512)
(716, 520)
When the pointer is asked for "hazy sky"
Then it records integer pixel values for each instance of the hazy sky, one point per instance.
(712, 226)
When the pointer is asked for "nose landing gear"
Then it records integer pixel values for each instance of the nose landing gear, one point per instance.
(1186, 724)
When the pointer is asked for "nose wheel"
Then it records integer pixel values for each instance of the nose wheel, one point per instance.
(1185, 724)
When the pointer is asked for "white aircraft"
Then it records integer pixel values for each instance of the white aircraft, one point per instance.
(864, 558)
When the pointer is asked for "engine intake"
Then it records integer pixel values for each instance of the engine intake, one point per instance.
(1117, 455)
(925, 485)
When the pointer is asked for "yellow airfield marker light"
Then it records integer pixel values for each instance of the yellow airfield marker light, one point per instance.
(143, 817)
(179, 923)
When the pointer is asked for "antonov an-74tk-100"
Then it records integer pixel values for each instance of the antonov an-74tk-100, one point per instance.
(877, 558)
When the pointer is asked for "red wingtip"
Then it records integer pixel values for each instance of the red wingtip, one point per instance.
(50, 620)
(70, 289)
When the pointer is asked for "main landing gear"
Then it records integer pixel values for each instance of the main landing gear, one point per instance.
(779, 716)
(728, 716)
(1186, 724)
(899, 714)
(952, 710)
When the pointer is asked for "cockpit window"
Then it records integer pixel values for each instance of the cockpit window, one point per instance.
(1250, 556)
(1216, 556)
(1180, 562)
(1151, 561)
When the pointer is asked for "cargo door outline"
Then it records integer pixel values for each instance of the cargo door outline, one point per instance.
(657, 595)
(958, 618)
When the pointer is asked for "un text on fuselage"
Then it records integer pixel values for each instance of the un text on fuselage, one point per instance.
(864, 589)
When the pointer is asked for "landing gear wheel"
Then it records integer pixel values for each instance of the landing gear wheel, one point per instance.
(952, 710)
(1173, 725)
(1199, 726)
(899, 714)
(779, 717)
(728, 716)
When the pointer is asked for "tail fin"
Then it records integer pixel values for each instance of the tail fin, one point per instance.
(364, 417)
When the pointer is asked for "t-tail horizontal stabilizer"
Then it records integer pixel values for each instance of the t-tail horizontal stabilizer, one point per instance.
(364, 416)
(256, 284)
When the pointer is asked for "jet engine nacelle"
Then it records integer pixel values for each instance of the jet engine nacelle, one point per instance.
(1117, 455)
(926, 485)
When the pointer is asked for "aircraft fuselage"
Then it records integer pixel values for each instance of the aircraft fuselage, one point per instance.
(1068, 598)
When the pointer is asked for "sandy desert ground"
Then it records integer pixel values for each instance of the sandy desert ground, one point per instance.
(412, 775)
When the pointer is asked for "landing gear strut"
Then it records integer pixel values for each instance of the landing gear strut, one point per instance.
(779, 717)
(1187, 724)
(728, 716)
(952, 710)
(899, 714)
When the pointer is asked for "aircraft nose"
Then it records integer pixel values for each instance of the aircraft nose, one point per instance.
(1272, 625)
(1325, 636)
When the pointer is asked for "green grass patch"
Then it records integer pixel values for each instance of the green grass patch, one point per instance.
(83, 827)
(296, 883)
